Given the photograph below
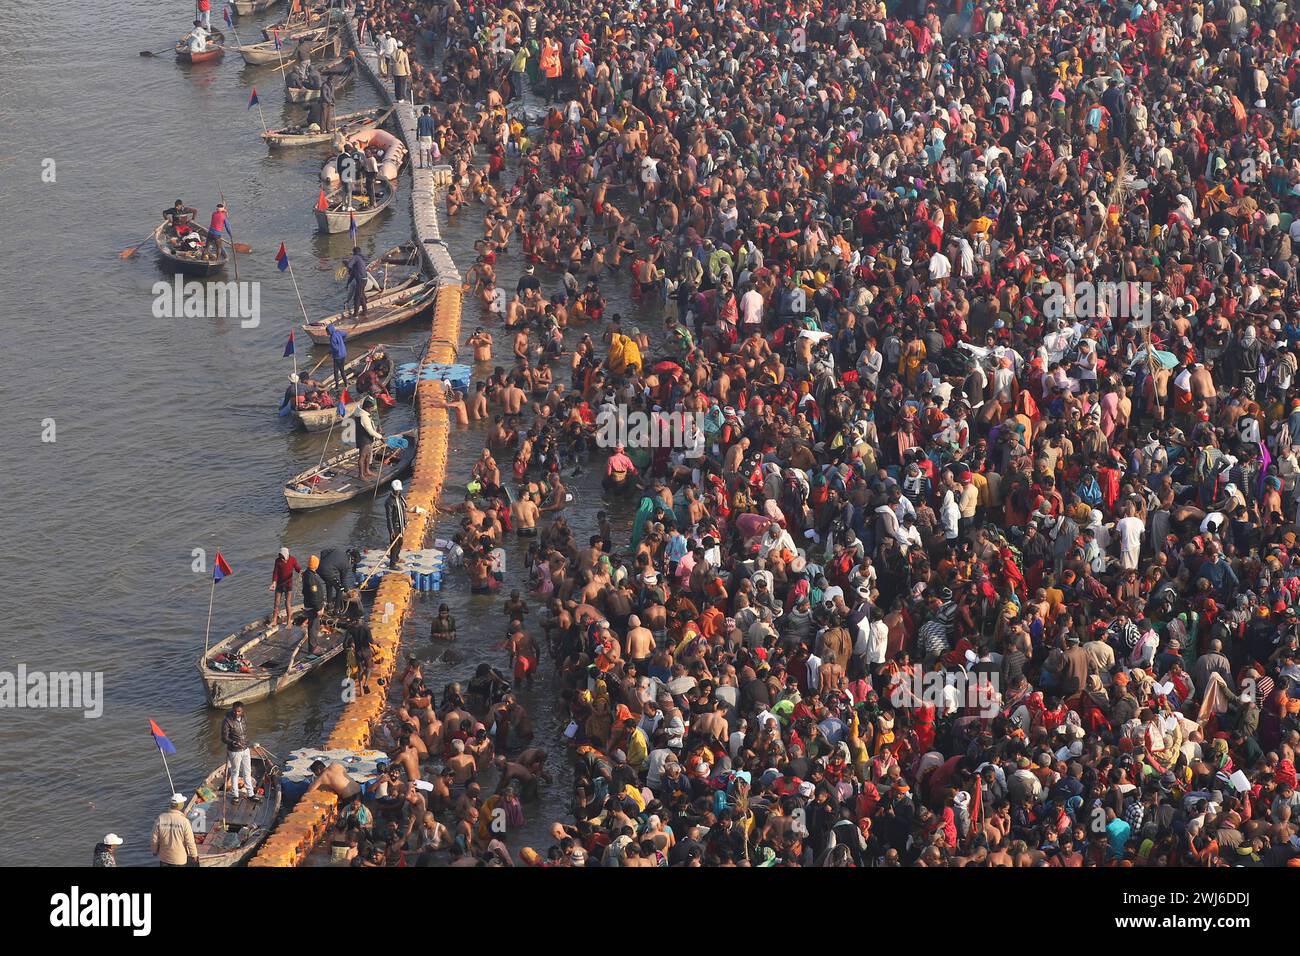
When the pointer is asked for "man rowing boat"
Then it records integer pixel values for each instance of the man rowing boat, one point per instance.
(216, 227)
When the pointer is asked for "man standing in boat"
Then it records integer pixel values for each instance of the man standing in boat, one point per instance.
(348, 169)
(239, 759)
(327, 103)
(286, 565)
(358, 279)
(339, 352)
(313, 600)
(367, 434)
(215, 228)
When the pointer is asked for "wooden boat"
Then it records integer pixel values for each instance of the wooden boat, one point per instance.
(299, 23)
(392, 307)
(195, 263)
(261, 659)
(322, 41)
(246, 8)
(214, 52)
(336, 217)
(321, 419)
(228, 830)
(345, 125)
(335, 481)
(306, 94)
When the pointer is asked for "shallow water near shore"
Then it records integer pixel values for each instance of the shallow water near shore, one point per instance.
(166, 434)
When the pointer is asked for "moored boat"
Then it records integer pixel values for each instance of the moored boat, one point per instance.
(227, 829)
(309, 94)
(347, 124)
(392, 307)
(211, 53)
(246, 8)
(321, 419)
(336, 480)
(311, 43)
(190, 256)
(337, 217)
(263, 659)
(298, 23)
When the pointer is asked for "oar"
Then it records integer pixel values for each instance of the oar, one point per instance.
(170, 49)
(129, 251)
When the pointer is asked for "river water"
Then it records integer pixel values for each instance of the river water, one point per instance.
(165, 434)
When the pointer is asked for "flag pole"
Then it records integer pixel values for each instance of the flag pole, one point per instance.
(265, 128)
(165, 767)
(207, 633)
(298, 293)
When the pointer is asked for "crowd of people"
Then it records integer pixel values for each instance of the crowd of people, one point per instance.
(979, 321)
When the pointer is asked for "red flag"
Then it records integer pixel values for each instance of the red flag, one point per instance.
(220, 568)
(977, 803)
(343, 397)
(322, 203)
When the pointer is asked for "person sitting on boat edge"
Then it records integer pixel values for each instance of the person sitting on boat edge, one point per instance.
(179, 217)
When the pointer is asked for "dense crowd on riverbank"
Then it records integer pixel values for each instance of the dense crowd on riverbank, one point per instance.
(980, 544)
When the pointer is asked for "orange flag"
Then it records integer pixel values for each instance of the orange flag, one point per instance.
(322, 203)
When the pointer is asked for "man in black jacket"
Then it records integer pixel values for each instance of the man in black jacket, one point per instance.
(313, 600)
(239, 763)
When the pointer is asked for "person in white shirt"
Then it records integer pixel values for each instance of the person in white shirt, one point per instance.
(1130, 529)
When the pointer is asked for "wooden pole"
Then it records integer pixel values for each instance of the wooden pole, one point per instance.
(207, 632)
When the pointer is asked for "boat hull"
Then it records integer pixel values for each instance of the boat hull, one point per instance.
(260, 821)
(210, 55)
(246, 8)
(225, 690)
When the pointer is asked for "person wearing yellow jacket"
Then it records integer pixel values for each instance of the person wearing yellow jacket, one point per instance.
(624, 354)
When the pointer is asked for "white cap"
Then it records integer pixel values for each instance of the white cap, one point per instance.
(113, 839)
(177, 800)
(284, 552)
(293, 376)
(397, 485)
